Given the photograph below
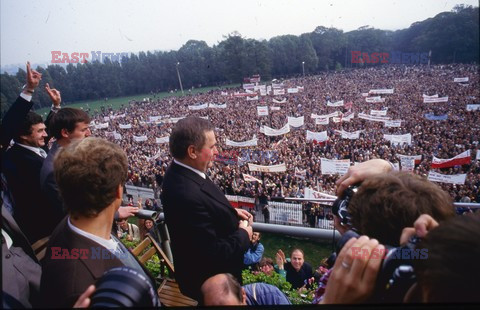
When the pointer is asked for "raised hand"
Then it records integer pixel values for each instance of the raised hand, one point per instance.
(33, 79)
(54, 95)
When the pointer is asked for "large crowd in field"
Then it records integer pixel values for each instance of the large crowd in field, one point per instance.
(239, 121)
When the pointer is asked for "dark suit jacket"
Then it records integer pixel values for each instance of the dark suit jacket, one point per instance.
(49, 185)
(31, 211)
(64, 280)
(204, 230)
(21, 271)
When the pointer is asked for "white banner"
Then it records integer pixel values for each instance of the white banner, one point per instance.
(322, 121)
(408, 163)
(263, 92)
(274, 108)
(277, 92)
(292, 90)
(333, 166)
(478, 155)
(279, 101)
(285, 213)
(393, 123)
(374, 99)
(335, 104)
(310, 193)
(117, 136)
(378, 112)
(262, 110)
(296, 121)
(349, 135)
(162, 139)
(277, 85)
(275, 168)
(373, 118)
(248, 86)
(106, 118)
(140, 138)
(276, 132)
(252, 98)
(317, 136)
(154, 118)
(101, 126)
(364, 94)
(126, 126)
(333, 114)
(433, 100)
(348, 116)
(302, 174)
(415, 158)
(118, 116)
(224, 93)
(198, 107)
(260, 88)
(217, 106)
(381, 91)
(473, 107)
(444, 178)
(176, 119)
(460, 80)
(430, 97)
(252, 142)
(399, 139)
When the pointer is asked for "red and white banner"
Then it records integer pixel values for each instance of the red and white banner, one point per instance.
(275, 168)
(162, 140)
(399, 139)
(381, 91)
(262, 110)
(252, 142)
(241, 201)
(296, 121)
(310, 193)
(317, 136)
(461, 159)
(460, 80)
(277, 92)
(333, 166)
(433, 100)
(445, 178)
(275, 132)
(249, 178)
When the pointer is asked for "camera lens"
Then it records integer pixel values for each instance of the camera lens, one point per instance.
(124, 287)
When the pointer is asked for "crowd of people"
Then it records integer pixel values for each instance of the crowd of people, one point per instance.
(239, 122)
(78, 190)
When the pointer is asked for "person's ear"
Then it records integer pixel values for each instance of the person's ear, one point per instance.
(244, 297)
(191, 152)
(64, 133)
(119, 191)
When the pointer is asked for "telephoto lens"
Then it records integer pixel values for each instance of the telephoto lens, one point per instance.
(147, 215)
(124, 287)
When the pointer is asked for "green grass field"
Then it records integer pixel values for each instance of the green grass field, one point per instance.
(116, 103)
(314, 251)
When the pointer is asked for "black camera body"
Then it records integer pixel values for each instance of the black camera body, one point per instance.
(340, 205)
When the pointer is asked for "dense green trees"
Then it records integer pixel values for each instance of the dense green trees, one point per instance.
(451, 36)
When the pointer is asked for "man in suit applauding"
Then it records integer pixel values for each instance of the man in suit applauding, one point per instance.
(208, 235)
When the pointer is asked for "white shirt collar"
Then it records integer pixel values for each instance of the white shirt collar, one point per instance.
(40, 152)
(110, 244)
(202, 174)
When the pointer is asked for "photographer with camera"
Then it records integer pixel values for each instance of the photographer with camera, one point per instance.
(379, 208)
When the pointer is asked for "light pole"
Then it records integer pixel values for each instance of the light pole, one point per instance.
(303, 68)
(179, 79)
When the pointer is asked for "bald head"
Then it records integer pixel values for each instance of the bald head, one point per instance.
(222, 289)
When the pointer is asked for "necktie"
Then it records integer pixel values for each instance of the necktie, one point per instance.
(43, 153)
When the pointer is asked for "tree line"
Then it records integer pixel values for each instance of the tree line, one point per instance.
(450, 36)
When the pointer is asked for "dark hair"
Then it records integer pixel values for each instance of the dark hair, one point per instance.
(231, 286)
(88, 173)
(188, 131)
(450, 273)
(265, 261)
(385, 204)
(67, 118)
(25, 127)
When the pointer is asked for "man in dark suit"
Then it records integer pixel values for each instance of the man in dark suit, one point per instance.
(208, 235)
(90, 174)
